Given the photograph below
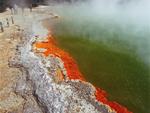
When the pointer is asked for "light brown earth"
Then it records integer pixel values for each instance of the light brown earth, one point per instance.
(9, 101)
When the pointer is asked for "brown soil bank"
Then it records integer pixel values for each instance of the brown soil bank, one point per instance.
(9, 101)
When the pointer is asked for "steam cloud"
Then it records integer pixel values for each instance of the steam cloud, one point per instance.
(106, 20)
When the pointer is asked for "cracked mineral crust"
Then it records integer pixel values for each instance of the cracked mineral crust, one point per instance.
(38, 84)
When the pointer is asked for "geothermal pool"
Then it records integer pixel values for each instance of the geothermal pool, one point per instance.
(111, 52)
(123, 77)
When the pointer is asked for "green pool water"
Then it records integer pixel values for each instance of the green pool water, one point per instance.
(111, 57)
(123, 76)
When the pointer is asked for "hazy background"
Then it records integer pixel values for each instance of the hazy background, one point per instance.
(124, 20)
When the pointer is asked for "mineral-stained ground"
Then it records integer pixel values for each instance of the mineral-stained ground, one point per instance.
(31, 82)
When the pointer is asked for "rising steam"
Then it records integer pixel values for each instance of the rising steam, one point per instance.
(110, 20)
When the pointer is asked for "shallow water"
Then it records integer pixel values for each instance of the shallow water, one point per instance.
(112, 57)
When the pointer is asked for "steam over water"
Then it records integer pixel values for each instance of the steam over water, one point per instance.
(110, 39)
(125, 21)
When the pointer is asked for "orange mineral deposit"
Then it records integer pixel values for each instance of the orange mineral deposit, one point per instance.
(74, 73)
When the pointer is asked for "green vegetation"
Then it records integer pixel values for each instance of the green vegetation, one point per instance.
(2, 5)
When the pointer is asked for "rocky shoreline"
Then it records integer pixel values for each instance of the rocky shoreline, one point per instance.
(37, 83)
(45, 84)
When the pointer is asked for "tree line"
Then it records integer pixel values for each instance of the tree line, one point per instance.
(28, 3)
(21, 3)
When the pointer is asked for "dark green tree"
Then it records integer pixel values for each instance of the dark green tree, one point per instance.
(2, 5)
